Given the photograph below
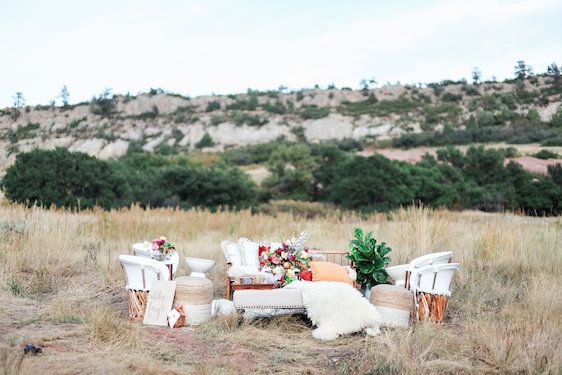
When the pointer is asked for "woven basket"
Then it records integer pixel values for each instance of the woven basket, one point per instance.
(431, 307)
(394, 303)
(137, 300)
(196, 296)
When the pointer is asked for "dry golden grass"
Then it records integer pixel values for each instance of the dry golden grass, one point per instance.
(61, 287)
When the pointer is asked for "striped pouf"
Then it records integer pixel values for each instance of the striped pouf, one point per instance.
(196, 296)
(394, 303)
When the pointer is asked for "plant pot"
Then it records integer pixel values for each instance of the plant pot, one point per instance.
(367, 293)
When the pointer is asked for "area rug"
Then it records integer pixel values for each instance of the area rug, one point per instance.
(337, 309)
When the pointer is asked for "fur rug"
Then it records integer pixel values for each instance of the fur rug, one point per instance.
(337, 309)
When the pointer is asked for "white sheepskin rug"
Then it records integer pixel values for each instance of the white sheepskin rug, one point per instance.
(337, 309)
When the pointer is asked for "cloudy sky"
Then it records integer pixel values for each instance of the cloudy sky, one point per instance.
(227, 46)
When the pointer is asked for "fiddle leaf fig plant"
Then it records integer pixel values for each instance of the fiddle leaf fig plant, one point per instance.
(370, 259)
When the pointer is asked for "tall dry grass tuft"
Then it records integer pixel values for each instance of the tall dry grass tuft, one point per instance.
(109, 329)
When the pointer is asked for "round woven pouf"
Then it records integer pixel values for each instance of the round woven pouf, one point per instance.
(196, 296)
(394, 303)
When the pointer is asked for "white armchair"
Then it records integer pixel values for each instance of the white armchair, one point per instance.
(400, 274)
(140, 273)
(432, 288)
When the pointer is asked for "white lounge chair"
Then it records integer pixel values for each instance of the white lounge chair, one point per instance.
(432, 288)
(400, 274)
(141, 273)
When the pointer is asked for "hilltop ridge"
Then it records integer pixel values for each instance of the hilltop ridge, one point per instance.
(407, 115)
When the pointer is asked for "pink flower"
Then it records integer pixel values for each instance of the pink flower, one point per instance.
(291, 257)
(275, 261)
(262, 261)
(155, 246)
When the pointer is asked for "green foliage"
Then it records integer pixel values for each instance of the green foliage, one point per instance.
(213, 106)
(292, 172)
(22, 132)
(241, 104)
(205, 141)
(556, 120)
(241, 118)
(450, 97)
(366, 184)
(251, 154)
(75, 180)
(314, 112)
(546, 154)
(217, 120)
(104, 105)
(64, 179)
(276, 107)
(369, 258)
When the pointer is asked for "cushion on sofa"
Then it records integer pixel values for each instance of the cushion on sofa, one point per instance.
(328, 271)
(232, 253)
(249, 252)
(268, 299)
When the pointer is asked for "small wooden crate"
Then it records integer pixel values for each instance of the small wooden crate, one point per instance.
(137, 304)
(431, 307)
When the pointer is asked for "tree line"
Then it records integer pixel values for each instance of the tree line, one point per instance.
(477, 179)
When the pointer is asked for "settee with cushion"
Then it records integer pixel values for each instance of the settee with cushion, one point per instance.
(243, 262)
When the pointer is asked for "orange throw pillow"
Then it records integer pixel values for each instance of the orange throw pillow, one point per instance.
(328, 271)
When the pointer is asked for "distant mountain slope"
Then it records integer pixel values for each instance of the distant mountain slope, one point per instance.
(168, 123)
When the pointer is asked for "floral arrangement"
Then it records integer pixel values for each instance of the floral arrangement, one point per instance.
(288, 261)
(162, 247)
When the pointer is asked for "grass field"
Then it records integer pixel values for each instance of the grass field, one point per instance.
(61, 287)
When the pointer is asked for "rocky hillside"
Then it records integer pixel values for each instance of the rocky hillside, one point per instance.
(168, 123)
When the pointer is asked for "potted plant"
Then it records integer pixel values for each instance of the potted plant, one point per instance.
(369, 258)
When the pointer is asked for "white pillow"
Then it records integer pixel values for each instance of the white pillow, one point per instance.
(232, 253)
(249, 252)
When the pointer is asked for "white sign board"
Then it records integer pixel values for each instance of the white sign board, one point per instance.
(160, 300)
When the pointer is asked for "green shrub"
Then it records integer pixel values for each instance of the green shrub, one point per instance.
(205, 141)
(249, 104)
(276, 107)
(65, 179)
(22, 132)
(556, 120)
(213, 106)
(450, 97)
(217, 120)
(546, 154)
(241, 118)
(366, 184)
(314, 112)
(104, 105)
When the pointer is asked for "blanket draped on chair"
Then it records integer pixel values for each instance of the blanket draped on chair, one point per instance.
(337, 309)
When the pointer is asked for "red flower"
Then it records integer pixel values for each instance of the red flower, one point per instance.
(262, 249)
(305, 275)
(291, 257)
(278, 251)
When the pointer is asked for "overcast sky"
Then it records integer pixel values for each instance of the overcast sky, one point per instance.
(214, 46)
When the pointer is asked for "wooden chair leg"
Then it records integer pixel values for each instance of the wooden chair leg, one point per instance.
(228, 286)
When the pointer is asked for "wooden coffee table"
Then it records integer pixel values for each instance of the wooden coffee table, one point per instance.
(235, 286)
